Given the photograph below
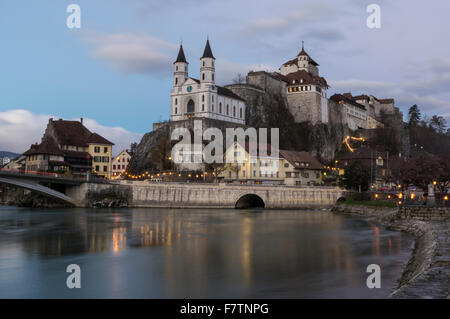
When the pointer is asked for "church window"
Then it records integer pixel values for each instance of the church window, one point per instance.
(176, 80)
(213, 76)
(176, 110)
(240, 112)
(191, 107)
(203, 107)
(176, 101)
(203, 98)
(228, 109)
(213, 98)
(212, 107)
(234, 111)
(203, 63)
(203, 76)
(176, 68)
(220, 108)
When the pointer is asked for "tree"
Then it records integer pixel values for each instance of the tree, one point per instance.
(414, 115)
(133, 147)
(438, 124)
(239, 79)
(356, 175)
(160, 153)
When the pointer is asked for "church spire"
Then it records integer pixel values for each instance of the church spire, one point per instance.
(181, 57)
(207, 53)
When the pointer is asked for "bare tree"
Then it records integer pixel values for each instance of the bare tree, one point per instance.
(239, 79)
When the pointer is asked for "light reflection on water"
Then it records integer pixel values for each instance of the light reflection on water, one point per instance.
(162, 253)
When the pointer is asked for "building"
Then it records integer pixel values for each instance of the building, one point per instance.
(68, 146)
(120, 163)
(355, 114)
(306, 89)
(300, 168)
(192, 97)
(287, 168)
(5, 160)
(17, 163)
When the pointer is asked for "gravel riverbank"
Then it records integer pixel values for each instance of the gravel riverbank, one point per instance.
(427, 274)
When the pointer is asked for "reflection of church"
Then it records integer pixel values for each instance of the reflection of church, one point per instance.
(202, 98)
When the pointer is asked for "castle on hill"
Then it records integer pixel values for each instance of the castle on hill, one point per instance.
(298, 81)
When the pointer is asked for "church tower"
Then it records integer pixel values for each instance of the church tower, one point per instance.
(207, 68)
(180, 73)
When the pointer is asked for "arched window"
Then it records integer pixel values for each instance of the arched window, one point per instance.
(234, 111)
(212, 98)
(176, 80)
(203, 63)
(213, 76)
(191, 106)
(228, 109)
(203, 98)
(220, 108)
(176, 101)
(176, 110)
(203, 76)
(176, 68)
(240, 112)
(203, 107)
(212, 108)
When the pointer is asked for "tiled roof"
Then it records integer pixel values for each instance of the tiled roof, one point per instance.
(386, 101)
(47, 146)
(303, 53)
(98, 139)
(296, 158)
(76, 134)
(347, 99)
(302, 77)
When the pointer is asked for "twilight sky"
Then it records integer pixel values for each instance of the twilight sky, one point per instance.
(116, 71)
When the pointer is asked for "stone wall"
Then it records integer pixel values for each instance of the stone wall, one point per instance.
(424, 213)
(305, 106)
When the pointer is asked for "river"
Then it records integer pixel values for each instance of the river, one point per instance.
(195, 253)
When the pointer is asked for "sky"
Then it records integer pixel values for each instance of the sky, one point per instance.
(116, 70)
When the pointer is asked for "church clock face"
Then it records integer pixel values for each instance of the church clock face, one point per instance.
(189, 88)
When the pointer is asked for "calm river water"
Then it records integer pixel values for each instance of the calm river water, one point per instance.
(163, 253)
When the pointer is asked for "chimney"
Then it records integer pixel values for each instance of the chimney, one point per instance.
(50, 120)
(81, 120)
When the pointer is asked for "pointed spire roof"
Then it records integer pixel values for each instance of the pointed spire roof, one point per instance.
(208, 52)
(303, 52)
(181, 57)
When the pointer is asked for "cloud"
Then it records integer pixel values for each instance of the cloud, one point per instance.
(132, 53)
(21, 128)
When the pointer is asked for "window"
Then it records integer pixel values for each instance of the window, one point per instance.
(212, 98)
(176, 101)
(105, 168)
(190, 107)
(97, 158)
(212, 107)
(203, 98)
(234, 111)
(220, 108)
(97, 168)
(176, 110)
(203, 76)
(203, 107)
(213, 76)
(105, 150)
(254, 173)
(176, 68)
(123, 166)
(105, 159)
(97, 149)
(240, 112)
(118, 160)
(114, 166)
(228, 109)
(203, 63)
(243, 173)
(286, 165)
(176, 81)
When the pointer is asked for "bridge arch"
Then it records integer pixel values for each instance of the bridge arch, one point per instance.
(249, 201)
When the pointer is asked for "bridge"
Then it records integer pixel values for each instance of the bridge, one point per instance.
(81, 192)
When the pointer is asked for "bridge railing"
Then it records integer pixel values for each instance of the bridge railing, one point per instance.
(50, 175)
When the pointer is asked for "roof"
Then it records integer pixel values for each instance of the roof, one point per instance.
(386, 101)
(303, 52)
(296, 158)
(301, 77)
(76, 154)
(207, 53)
(76, 134)
(226, 92)
(95, 138)
(181, 57)
(47, 146)
(347, 99)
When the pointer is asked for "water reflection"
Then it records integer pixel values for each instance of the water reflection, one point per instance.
(196, 253)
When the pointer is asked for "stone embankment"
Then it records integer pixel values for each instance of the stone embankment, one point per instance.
(427, 274)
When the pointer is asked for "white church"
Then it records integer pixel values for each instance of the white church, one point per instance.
(192, 97)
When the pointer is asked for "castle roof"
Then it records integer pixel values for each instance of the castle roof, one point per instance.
(301, 77)
(386, 101)
(47, 146)
(181, 57)
(303, 53)
(347, 98)
(207, 53)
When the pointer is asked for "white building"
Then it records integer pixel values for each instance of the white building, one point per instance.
(355, 114)
(120, 163)
(191, 97)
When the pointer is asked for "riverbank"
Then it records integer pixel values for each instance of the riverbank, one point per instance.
(427, 274)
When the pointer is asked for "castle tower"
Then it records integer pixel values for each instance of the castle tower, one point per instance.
(306, 63)
(180, 73)
(207, 68)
